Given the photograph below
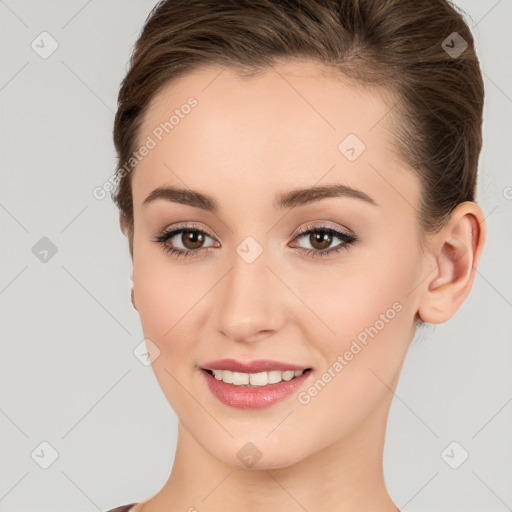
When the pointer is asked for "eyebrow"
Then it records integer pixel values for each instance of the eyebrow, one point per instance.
(292, 199)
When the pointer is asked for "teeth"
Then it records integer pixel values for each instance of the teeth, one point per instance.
(255, 379)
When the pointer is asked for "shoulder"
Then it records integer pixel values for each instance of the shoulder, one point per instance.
(122, 508)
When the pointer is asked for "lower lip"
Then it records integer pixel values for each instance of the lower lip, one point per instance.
(256, 397)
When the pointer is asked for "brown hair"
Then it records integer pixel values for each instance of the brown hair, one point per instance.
(403, 44)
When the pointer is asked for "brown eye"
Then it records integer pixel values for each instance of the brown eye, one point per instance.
(192, 239)
(320, 240)
(189, 238)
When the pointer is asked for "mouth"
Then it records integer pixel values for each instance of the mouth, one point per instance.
(256, 390)
(253, 380)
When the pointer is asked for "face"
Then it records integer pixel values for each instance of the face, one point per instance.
(262, 272)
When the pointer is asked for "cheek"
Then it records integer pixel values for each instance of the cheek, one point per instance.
(165, 301)
(162, 293)
(169, 302)
(365, 310)
(153, 292)
(363, 358)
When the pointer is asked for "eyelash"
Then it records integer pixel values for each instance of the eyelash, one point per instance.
(347, 240)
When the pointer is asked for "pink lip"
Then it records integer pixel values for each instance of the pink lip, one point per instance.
(259, 365)
(256, 397)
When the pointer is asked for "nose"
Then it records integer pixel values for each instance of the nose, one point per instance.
(250, 302)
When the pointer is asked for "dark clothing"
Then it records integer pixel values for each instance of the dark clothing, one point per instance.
(122, 508)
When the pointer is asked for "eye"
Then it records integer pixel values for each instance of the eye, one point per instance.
(320, 237)
(190, 237)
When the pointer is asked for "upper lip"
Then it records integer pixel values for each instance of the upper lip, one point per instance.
(259, 365)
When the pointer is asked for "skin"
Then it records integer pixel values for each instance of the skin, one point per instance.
(246, 141)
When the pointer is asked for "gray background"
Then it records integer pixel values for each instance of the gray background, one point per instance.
(68, 330)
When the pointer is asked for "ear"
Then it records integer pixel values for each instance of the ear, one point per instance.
(456, 250)
(123, 223)
(133, 300)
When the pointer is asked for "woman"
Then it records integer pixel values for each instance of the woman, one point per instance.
(297, 184)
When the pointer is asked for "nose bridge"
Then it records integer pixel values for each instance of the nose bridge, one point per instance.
(246, 306)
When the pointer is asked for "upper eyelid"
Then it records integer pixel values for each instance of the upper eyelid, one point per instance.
(322, 227)
(177, 229)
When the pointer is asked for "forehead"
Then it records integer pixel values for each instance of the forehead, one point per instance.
(287, 125)
(291, 90)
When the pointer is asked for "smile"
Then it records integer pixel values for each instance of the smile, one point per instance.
(254, 390)
(255, 379)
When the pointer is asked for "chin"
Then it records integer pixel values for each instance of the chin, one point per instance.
(258, 455)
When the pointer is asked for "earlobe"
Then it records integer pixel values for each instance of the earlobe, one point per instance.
(123, 223)
(132, 293)
(133, 299)
(459, 248)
